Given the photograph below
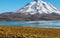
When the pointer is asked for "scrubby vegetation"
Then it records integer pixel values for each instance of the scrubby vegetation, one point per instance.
(28, 32)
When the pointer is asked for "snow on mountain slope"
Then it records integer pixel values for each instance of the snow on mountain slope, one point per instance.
(40, 7)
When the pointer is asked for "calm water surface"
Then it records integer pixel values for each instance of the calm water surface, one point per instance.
(41, 23)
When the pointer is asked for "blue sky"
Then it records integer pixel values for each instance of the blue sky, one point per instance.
(13, 5)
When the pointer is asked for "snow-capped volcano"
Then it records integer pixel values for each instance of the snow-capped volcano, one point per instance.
(40, 7)
(36, 10)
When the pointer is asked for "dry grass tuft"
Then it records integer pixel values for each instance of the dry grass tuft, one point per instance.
(28, 32)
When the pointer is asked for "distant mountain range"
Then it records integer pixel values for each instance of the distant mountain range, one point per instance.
(36, 10)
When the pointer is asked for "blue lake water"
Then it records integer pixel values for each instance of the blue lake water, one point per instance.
(40, 23)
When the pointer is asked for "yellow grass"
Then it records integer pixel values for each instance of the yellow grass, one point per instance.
(28, 32)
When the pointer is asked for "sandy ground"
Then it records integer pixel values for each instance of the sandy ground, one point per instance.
(28, 32)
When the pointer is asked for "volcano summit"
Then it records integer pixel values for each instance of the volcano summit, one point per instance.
(36, 10)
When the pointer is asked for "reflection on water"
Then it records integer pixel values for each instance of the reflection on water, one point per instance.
(41, 23)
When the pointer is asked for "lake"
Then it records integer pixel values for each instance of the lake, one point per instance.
(40, 23)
